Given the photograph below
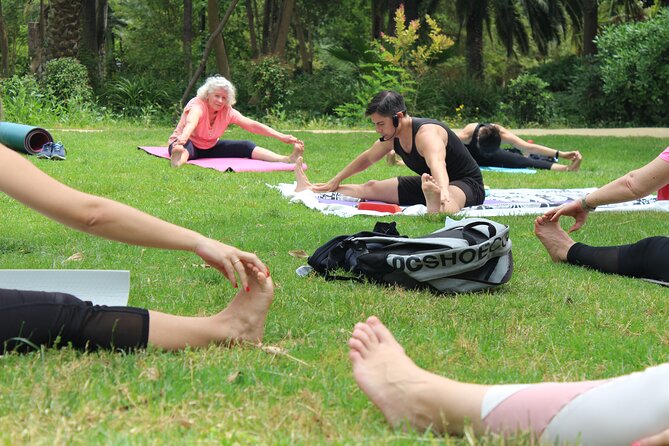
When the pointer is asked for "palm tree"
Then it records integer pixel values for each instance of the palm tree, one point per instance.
(63, 28)
(547, 21)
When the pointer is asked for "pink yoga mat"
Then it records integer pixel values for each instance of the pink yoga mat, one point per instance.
(226, 164)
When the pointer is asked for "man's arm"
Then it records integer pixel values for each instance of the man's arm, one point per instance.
(363, 161)
(431, 142)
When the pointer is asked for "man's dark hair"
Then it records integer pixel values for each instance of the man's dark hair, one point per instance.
(386, 103)
(489, 138)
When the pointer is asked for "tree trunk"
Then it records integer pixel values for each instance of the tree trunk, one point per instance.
(103, 30)
(63, 28)
(219, 44)
(377, 18)
(283, 28)
(88, 48)
(207, 50)
(590, 25)
(392, 7)
(4, 45)
(187, 37)
(36, 31)
(304, 50)
(474, 42)
(267, 26)
(252, 29)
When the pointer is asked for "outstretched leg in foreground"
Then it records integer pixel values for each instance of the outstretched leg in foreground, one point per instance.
(260, 153)
(243, 320)
(587, 412)
(404, 392)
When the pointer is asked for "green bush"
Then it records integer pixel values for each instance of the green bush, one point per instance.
(557, 73)
(66, 79)
(458, 99)
(23, 100)
(270, 86)
(320, 93)
(136, 97)
(634, 60)
(584, 100)
(527, 100)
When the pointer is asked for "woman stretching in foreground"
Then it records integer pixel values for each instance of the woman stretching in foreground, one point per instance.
(646, 258)
(42, 318)
(630, 409)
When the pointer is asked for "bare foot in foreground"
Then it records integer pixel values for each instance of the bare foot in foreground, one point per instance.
(432, 193)
(244, 318)
(301, 177)
(404, 392)
(179, 156)
(556, 241)
(298, 151)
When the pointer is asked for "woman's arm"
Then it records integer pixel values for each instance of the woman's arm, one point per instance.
(193, 117)
(259, 128)
(635, 184)
(24, 182)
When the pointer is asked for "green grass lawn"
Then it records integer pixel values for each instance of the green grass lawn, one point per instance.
(550, 322)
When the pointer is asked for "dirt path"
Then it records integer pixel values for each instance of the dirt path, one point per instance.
(656, 132)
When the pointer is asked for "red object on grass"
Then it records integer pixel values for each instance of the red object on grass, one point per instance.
(379, 207)
(663, 193)
(531, 141)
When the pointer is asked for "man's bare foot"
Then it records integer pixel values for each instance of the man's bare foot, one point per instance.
(244, 318)
(298, 151)
(432, 193)
(301, 177)
(556, 241)
(179, 156)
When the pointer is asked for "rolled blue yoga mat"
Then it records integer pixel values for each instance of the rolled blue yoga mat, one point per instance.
(25, 138)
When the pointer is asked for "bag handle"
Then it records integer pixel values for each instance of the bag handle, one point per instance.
(469, 238)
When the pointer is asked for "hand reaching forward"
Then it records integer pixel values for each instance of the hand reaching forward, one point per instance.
(229, 260)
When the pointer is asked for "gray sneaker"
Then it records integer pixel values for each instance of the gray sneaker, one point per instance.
(57, 151)
(45, 153)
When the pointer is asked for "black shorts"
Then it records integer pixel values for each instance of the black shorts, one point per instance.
(59, 319)
(224, 148)
(409, 190)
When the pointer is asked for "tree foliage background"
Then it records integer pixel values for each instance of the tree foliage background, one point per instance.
(315, 62)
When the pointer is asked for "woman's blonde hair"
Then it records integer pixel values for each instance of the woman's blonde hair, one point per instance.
(215, 83)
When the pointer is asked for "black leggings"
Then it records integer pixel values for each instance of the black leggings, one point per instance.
(58, 319)
(505, 158)
(647, 258)
(224, 148)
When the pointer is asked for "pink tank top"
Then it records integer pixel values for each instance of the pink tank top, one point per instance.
(665, 155)
(205, 136)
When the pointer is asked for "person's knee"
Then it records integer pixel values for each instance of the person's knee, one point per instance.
(371, 187)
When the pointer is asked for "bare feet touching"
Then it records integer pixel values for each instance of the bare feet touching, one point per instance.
(404, 392)
(301, 177)
(243, 320)
(179, 156)
(393, 160)
(556, 241)
(432, 193)
(298, 151)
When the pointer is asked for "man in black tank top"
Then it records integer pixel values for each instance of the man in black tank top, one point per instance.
(484, 144)
(448, 177)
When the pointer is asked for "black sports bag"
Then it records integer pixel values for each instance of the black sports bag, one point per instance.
(472, 254)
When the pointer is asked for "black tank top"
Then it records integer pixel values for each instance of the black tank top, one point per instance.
(481, 157)
(459, 163)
